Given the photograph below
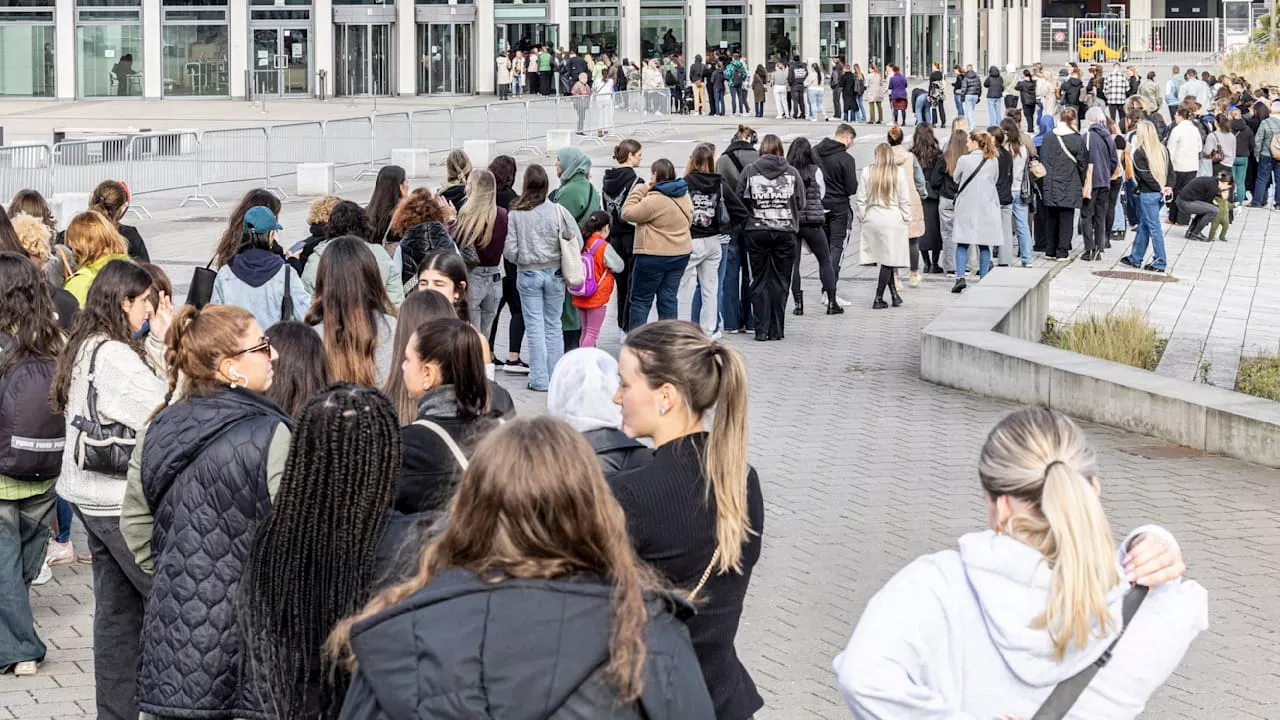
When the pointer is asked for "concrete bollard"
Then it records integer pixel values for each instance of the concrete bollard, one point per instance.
(557, 139)
(415, 161)
(67, 205)
(315, 179)
(479, 151)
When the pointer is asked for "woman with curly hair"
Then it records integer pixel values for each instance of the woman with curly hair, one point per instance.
(422, 221)
(349, 219)
(318, 222)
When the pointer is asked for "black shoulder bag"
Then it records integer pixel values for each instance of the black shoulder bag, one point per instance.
(201, 289)
(1059, 702)
(101, 447)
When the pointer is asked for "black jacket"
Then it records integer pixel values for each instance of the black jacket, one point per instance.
(706, 190)
(575, 66)
(617, 452)
(424, 238)
(1201, 189)
(812, 214)
(319, 233)
(1004, 176)
(774, 193)
(137, 248)
(617, 184)
(204, 477)
(429, 470)
(464, 647)
(1244, 138)
(1071, 89)
(940, 182)
(697, 71)
(672, 522)
(994, 83)
(457, 194)
(796, 74)
(972, 83)
(1026, 91)
(1063, 183)
(839, 173)
(1147, 182)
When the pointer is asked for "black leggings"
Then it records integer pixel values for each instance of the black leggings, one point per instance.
(884, 280)
(900, 117)
(815, 236)
(930, 257)
(511, 299)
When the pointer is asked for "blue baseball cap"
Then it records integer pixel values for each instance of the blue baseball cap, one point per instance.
(261, 220)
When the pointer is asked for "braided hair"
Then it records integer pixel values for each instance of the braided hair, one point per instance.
(313, 562)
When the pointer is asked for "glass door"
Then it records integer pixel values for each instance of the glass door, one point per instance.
(295, 69)
(280, 62)
(446, 53)
(266, 52)
(362, 59)
(833, 38)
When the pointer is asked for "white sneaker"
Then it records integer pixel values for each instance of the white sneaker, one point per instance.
(46, 574)
(842, 302)
(26, 668)
(60, 553)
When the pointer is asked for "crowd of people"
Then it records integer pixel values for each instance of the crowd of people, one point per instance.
(307, 494)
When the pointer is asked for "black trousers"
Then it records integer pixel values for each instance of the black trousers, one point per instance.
(772, 255)
(1180, 180)
(837, 100)
(938, 113)
(814, 236)
(1029, 114)
(837, 228)
(797, 101)
(624, 245)
(1116, 113)
(1096, 223)
(511, 299)
(1057, 231)
(120, 591)
(547, 81)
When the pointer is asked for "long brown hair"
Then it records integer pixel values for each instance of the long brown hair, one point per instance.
(229, 242)
(32, 203)
(534, 192)
(555, 517)
(957, 148)
(701, 160)
(418, 308)
(111, 198)
(925, 146)
(710, 376)
(198, 341)
(350, 299)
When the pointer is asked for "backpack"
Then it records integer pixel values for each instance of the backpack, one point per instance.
(613, 206)
(737, 73)
(1274, 145)
(590, 283)
(32, 436)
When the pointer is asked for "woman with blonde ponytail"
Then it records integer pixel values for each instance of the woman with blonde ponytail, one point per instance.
(696, 512)
(213, 457)
(990, 630)
(535, 548)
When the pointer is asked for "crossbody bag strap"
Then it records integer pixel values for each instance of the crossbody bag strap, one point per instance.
(1059, 702)
(448, 440)
(706, 575)
(1064, 148)
(93, 389)
(969, 179)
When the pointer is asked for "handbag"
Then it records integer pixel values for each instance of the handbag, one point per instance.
(101, 447)
(1059, 702)
(571, 270)
(1035, 168)
(201, 289)
(286, 305)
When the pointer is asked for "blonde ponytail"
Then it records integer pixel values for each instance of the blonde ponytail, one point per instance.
(1040, 456)
(726, 458)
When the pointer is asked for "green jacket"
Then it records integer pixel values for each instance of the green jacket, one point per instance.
(544, 61)
(580, 198)
(386, 268)
(738, 72)
(79, 282)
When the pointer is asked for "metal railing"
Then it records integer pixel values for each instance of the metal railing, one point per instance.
(166, 162)
(1132, 40)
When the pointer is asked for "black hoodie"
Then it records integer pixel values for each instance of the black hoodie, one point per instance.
(774, 193)
(839, 173)
(705, 192)
(615, 187)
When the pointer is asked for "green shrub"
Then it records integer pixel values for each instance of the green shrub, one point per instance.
(1126, 337)
(1259, 376)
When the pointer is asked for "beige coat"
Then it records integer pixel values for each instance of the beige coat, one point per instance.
(662, 222)
(884, 227)
(907, 164)
(875, 87)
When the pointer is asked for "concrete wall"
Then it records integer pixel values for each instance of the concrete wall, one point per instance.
(988, 343)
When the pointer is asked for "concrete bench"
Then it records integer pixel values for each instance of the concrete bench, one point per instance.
(315, 179)
(479, 151)
(557, 139)
(415, 161)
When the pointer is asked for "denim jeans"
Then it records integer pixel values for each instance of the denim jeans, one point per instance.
(1268, 172)
(817, 102)
(700, 282)
(656, 276)
(64, 521)
(542, 302)
(959, 101)
(922, 109)
(1149, 230)
(24, 538)
(695, 307)
(717, 101)
(994, 109)
(1021, 228)
(970, 102)
(962, 260)
(735, 290)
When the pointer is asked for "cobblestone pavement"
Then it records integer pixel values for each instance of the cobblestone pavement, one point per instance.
(864, 468)
(1222, 300)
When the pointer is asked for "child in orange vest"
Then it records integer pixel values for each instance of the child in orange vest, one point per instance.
(606, 262)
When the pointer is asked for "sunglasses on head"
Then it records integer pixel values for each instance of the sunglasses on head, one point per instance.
(262, 347)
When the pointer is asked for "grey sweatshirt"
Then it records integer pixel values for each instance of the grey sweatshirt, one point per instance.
(533, 237)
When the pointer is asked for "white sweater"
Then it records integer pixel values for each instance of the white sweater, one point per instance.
(1184, 147)
(950, 637)
(129, 391)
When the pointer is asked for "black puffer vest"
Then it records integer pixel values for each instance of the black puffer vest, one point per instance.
(811, 213)
(204, 475)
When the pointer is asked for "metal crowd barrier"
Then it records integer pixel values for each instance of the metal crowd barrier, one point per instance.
(168, 161)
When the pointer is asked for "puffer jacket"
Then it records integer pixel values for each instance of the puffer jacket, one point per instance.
(203, 474)
(435, 655)
(813, 213)
(994, 83)
(420, 240)
(972, 84)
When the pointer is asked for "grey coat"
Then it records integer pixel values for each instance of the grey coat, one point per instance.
(978, 206)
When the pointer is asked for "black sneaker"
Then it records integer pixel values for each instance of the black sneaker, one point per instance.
(517, 366)
(1149, 267)
(1126, 261)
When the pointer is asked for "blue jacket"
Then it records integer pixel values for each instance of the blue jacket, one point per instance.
(1102, 155)
(255, 281)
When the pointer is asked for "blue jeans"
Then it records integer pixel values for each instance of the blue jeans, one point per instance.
(24, 538)
(717, 101)
(740, 95)
(541, 303)
(1268, 171)
(959, 100)
(970, 102)
(922, 109)
(655, 276)
(735, 288)
(816, 100)
(962, 260)
(1020, 228)
(695, 308)
(1149, 230)
(64, 521)
(994, 106)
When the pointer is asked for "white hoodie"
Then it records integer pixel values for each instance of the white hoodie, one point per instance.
(950, 637)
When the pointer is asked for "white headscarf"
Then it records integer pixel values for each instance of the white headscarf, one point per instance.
(582, 390)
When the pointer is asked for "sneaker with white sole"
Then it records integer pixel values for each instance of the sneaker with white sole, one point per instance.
(842, 302)
(518, 367)
(46, 574)
(26, 668)
(60, 553)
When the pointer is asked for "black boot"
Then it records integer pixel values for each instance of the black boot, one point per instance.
(893, 294)
(833, 307)
(799, 310)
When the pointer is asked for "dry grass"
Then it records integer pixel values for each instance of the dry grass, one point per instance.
(1259, 63)
(1125, 337)
(1260, 376)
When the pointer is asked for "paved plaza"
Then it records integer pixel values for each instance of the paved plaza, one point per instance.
(864, 467)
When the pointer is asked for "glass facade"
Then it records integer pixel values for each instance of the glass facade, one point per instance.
(833, 35)
(662, 30)
(108, 48)
(195, 48)
(955, 26)
(362, 58)
(926, 43)
(727, 29)
(27, 49)
(446, 52)
(885, 41)
(593, 30)
(782, 32)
